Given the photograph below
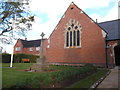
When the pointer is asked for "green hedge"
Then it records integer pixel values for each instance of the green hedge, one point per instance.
(6, 58)
(18, 58)
(51, 78)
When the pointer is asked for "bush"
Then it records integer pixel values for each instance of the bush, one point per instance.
(6, 58)
(89, 65)
(61, 75)
(18, 58)
(51, 78)
(34, 82)
(23, 84)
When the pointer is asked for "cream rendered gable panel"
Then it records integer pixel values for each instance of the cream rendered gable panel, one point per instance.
(63, 16)
(48, 46)
(103, 33)
(49, 40)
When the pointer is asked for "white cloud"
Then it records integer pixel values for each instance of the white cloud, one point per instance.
(54, 8)
(111, 15)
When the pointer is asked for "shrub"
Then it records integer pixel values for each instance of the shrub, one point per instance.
(6, 58)
(40, 81)
(89, 65)
(34, 82)
(18, 58)
(47, 79)
(23, 84)
(61, 75)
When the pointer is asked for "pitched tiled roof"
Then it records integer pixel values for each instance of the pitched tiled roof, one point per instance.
(31, 43)
(112, 28)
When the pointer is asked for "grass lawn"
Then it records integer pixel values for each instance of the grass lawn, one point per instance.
(16, 76)
(0, 75)
(10, 76)
(90, 80)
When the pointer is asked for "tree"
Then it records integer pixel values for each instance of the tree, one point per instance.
(15, 20)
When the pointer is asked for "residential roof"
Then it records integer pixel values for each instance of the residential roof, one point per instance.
(112, 28)
(31, 43)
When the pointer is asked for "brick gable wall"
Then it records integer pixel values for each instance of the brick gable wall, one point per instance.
(18, 44)
(92, 42)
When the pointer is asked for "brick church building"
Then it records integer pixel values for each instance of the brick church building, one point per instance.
(77, 40)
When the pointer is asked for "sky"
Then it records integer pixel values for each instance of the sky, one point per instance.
(49, 12)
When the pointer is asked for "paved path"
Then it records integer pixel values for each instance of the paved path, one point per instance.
(112, 80)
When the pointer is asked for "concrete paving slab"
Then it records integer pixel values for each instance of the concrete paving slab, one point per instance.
(112, 80)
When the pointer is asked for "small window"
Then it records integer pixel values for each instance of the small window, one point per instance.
(69, 28)
(37, 48)
(76, 27)
(67, 39)
(72, 25)
(31, 49)
(71, 8)
(74, 38)
(17, 49)
(78, 39)
(70, 38)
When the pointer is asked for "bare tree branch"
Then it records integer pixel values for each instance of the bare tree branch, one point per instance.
(14, 18)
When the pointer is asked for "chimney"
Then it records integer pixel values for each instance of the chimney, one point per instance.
(96, 21)
(25, 38)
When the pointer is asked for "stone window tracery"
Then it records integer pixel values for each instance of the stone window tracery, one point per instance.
(73, 34)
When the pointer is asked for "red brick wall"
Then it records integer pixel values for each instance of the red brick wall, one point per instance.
(18, 44)
(110, 51)
(27, 50)
(92, 43)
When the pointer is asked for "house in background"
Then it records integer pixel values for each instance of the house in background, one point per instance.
(31, 47)
(77, 40)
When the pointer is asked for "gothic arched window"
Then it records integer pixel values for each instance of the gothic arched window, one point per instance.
(72, 34)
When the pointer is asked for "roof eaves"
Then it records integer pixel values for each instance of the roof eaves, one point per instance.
(109, 21)
(91, 19)
(21, 43)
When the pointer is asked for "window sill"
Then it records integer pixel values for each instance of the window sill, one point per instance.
(73, 47)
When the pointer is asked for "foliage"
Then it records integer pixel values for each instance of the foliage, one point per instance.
(6, 58)
(89, 65)
(11, 76)
(18, 58)
(15, 20)
(90, 80)
(62, 75)
(40, 80)
(15, 78)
